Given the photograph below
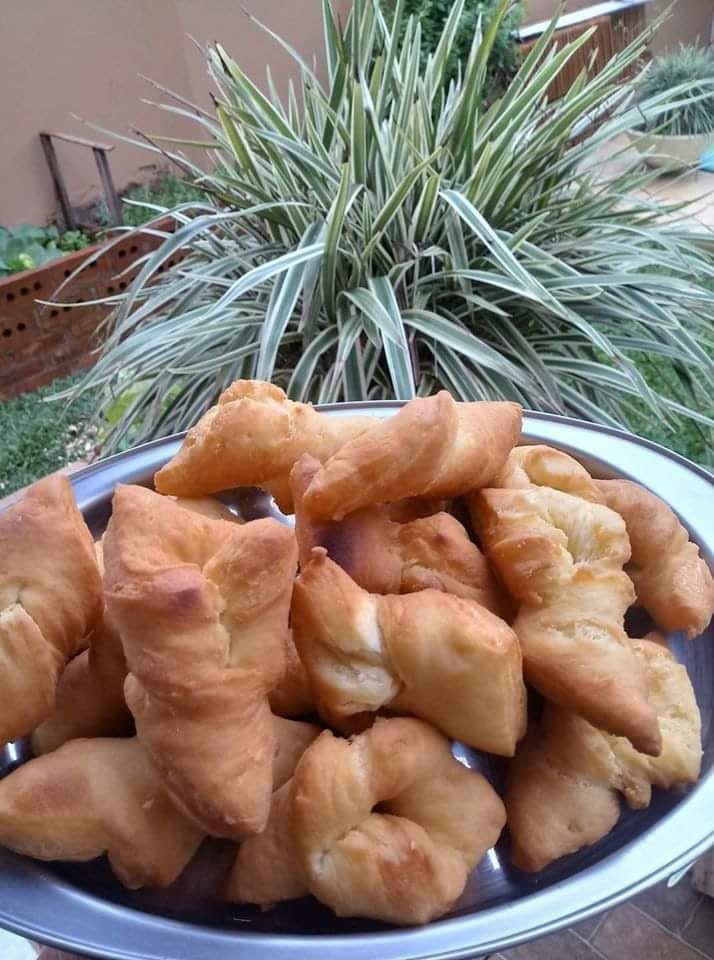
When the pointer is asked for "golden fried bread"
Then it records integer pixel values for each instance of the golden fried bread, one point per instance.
(541, 466)
(562, 558)
(555, 809)
(98, 796)
(384, 556)
(561, 791)
(202, 608)
(670, 693)
(90, 693)
(292, 738)
(252, 437)
(388, 826)
(429, 654)
(292, 696)
(208, 507)
(50, 600)
(672, 580)
(434, 448)
(415, 508)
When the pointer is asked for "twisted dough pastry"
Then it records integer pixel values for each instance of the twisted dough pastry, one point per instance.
(383, 556)
(672, 581)
(428, 654)
(292, 738)
(90, 693)
(292, 696)
(387, 826)
(103, 795)
(252, 437)
(562, 557)
(542, 466)
(50, 600)
(202, 608)
(562, 787)
(433, 447)
(98, 796)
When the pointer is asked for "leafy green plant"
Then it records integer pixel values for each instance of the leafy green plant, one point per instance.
(146, 200)
(72, 240)
(372, 246)
(689, 64)
(26, 246)
(504, 57)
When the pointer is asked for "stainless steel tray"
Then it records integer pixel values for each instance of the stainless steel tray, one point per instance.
(81, 908)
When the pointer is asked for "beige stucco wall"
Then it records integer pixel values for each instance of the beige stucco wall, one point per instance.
(84, 57)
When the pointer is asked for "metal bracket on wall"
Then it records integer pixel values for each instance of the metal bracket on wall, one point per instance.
(100, 151)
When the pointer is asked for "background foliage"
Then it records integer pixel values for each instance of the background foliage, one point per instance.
(689, 64)
(25, 247)
(504, 58)
(404, 232)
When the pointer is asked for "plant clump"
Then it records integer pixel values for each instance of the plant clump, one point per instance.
(391, 229)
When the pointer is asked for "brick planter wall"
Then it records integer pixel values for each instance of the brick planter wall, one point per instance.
(39, 343)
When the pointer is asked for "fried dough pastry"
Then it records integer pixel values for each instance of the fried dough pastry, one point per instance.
(50, 600)
(434, 448)
(98, 796)
(562, 558)
(202, 607)
(292, 696)
(415, 508)
(90, 693)
(252, 437)
(562, 787)
(383, 556)
(207, 507)
(672, 580)
(542, 466)
(388, 826)
(428, 654)
(292, 738)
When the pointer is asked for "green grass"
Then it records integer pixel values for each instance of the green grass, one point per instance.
(692, 440)
(38, 437)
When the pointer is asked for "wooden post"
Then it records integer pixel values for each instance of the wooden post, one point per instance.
(110, 193)
(100, 151)
(57, 181)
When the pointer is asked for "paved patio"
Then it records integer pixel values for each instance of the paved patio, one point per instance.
(682, 187)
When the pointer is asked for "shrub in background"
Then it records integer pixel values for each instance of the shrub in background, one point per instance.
(689, 64)
(401, 233)
(504, 58)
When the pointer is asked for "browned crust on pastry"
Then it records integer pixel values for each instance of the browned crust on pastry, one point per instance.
(671, 578)
(50, 600)
(433, 447)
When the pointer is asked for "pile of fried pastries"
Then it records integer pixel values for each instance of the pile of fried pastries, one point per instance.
(296, 691)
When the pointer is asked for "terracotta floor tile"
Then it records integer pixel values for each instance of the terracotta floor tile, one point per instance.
(558, 946)
(628, 934)
(672, 907)
(700, 931)
(586, 928)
